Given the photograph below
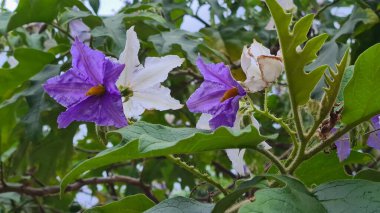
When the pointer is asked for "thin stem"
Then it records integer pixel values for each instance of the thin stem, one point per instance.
(266, 100)
(274, 159)
(62, 30)
(298, 158)
(196, 172)
(325, 7)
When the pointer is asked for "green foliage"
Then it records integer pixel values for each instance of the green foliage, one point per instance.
(130, 204)
(296, 59)
(143, 140)
(181, 204)
(293, 197)
(361, 93)
(349, 196)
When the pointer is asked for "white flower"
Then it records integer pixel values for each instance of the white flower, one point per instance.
(142, 83)
(236, 156)
(286, 5)
(260, 67)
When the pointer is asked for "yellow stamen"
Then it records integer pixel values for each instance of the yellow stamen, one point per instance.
(229, 94)
(96, 90)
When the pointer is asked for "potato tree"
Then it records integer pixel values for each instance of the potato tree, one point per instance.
(190, 106)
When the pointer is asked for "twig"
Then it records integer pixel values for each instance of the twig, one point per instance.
(196, 172)
(274, 159)
(54, 190)
(224, 170)
(62, 30)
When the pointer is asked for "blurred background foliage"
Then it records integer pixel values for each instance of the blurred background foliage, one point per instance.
(35, 40)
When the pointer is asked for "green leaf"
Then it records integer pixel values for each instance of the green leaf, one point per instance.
(165, 42)
(95, 5)
(230, 199)
(181, 205)
(348, 73)
(349, 196)
(31, 61)
(333, 81)
(361, 95)
(295, 60)
(113, 28)
(333, 50)
(143, 140)
(293, 197)
(29, 11)
(368, 174)
(131, 204)
(4, 19)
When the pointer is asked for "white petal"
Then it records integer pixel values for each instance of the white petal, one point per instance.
(155, 71)
(245, 60)
(156, 97)
(129, 57)
(236, 156)
(132, 108)
(257, 49)
(271, 25)
(271, 67)
(203, 122)
(286, 4)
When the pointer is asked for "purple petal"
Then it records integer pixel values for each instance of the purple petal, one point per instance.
(343, 149)
(226, 114)
(376, 122)
(105, 110)
(374, 141)
(112, 72)
(218, 73)
(88, 62)
(79, 30)
(68, 88)
(206, 98)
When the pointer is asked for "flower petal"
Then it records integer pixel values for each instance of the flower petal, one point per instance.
(271, 67)
(226, 114)
(257, 49)
(133, 108)
(270, 25)
(236, 157)
(129, 57)
(156, 70)
(68, 88)
(104, 111)
(203, 121)
(286, 4)
(206, 98)
(112, 72)
(374, 141)
(343, 149)
(157, 97)
(376, 121)
(218, 73)
(87, 62)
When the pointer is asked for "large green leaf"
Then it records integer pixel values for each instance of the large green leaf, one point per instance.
(131, 204)
(361, 95)
(349, 196)
(231, 198)
(31, 61)
(293, 197)
(300, 83)
(143, 140)
(324, 167)
(29, 11)
(181, 205)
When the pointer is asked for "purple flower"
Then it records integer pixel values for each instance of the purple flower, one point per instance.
(88, 89)
(218, 95)
(373, 139)
(343, 148)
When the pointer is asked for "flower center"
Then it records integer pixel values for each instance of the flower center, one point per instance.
(96, 90)
(229, 94)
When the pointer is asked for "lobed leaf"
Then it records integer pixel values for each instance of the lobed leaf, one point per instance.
(301, 83)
